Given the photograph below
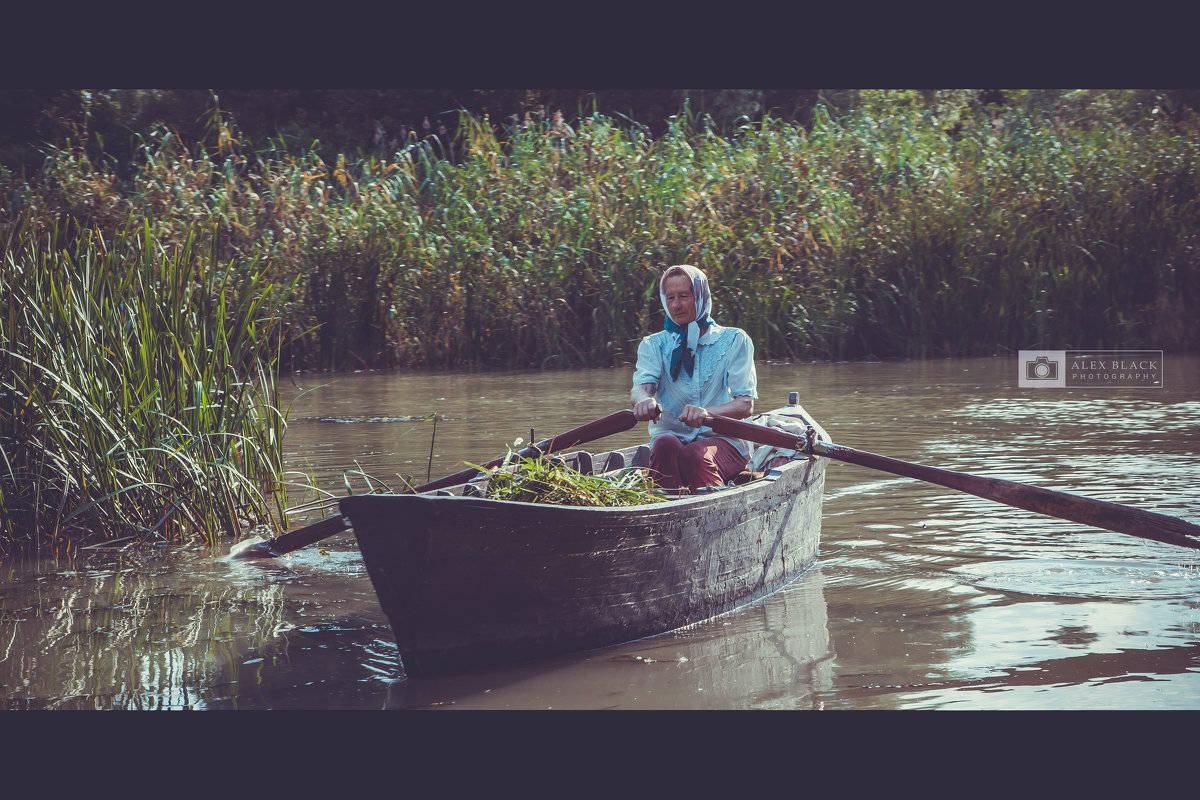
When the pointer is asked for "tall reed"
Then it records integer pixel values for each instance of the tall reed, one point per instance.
(138, 387)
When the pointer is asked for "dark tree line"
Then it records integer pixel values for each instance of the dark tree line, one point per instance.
(375, 121)
(348, 121)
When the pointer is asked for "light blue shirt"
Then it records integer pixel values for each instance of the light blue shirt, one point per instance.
(724, 370)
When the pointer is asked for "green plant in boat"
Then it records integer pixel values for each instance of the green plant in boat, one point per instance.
(540, 480)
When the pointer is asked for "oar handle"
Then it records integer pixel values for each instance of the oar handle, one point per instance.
(597, 429)
(761, 434)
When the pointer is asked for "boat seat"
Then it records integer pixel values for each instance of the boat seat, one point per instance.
(614, 461)
(583, 462)
(641, 458)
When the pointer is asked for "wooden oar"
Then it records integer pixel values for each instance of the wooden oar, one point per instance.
(301, 537)
(1084, 510)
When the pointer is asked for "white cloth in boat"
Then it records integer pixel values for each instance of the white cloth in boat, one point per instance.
(724, 370)
(764, 454)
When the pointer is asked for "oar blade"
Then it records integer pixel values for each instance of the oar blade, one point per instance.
(1076, 508)
(292, 540)
(1063, 505)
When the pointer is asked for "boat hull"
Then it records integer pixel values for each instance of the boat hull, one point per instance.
(470, 583)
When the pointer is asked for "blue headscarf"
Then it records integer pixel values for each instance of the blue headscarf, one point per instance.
(687, 338)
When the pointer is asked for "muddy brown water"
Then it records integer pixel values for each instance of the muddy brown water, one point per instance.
(923, 598)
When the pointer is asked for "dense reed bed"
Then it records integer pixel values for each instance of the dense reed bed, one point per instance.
(890, 235)
(137, 388)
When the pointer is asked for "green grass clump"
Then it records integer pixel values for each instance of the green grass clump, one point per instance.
(138, 388)
(539, 480)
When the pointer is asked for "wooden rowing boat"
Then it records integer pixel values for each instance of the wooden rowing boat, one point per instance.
(469, 582)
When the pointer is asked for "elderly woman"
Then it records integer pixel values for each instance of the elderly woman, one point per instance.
(692, 368)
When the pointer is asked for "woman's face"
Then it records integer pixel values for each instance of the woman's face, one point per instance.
(681, 303)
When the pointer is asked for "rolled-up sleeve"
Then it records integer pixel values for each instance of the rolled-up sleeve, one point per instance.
(649, 367)
(740, 375)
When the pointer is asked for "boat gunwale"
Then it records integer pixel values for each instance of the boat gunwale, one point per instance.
(674, 501)
(795, 411)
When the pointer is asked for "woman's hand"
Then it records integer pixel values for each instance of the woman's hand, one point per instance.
(738, 408)
(693, 416)
(646, 409)
(645, 406)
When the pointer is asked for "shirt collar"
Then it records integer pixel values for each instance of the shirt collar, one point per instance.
(710, 335)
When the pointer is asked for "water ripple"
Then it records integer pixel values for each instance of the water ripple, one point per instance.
(1085, 579)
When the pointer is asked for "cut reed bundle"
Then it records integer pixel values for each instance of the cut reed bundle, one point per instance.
(548, 481)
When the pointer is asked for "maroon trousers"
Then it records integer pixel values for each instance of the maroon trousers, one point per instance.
(702, 462)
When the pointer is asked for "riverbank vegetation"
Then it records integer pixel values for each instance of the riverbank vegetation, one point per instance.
(145, 318)
(887, 230)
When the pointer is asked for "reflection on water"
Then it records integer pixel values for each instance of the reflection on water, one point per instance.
(922, 598)
(135, 634)
(189, 630)
(770, 655)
